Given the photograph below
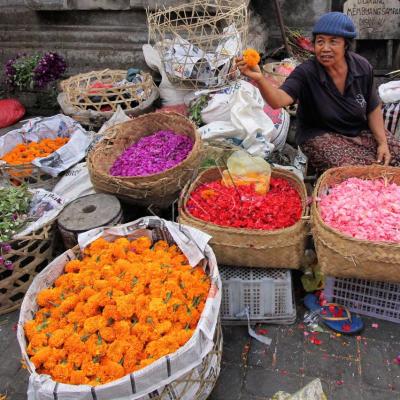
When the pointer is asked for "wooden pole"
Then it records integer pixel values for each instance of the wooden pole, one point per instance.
(282, 27)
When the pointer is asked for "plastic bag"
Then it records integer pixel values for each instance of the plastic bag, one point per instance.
(44, 207)
(11, 111)
(75, 183)
(237, 116)
(312, 279)
(243, 169)
(313, 391)
(390, 92)
(169, 94)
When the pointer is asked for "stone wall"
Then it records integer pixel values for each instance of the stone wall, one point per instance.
(89, 40)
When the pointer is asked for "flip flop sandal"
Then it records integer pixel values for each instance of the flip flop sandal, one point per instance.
(331, 314)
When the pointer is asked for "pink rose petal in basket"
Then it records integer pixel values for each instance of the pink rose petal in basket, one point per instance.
(363, 209)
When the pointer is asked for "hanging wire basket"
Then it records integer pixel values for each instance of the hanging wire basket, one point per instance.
(198, 41)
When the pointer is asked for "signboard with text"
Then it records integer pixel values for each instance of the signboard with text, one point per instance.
(375, 19)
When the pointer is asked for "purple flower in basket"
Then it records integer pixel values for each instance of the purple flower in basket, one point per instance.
(9, 265)
(5, 247)
(153, 154)
(34, 71)
(49, 68)
(1, 260)
(9, 69)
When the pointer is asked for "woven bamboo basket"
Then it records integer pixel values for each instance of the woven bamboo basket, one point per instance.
(282, 248)
(160, 189)
(29, 255)
(189, 35)
(340, 255)
(29, 174)
(94, 106)
(270, 69)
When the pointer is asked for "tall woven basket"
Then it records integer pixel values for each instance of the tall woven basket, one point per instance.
(198, 40)
(94, 106)
(159, 189)
(282, 248)
(29, 255)
(340, 255)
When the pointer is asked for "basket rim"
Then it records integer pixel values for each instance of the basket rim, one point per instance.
(76, 78)
(185, 194)
(315, 208)
(88, 116)
(222, 8)
(5, 164)
(196, 144)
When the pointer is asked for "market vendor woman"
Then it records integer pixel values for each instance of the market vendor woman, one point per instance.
(339, 115)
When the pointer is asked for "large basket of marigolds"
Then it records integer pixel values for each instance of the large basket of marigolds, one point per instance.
(355, 222)
(248, 229)
(133, 315)
(27, 233)
(148, 160)
(92, 98)
(40, 150)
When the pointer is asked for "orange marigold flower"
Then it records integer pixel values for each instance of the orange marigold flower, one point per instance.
(69, 303)
(107, 334)
(117, 350)
(91, 308)
(125, 305)
(141, 244)
(251, 57)
(78, 377)
(96, 246)
(146, 362)
(122, 329)
(39, 340)
(94, 324)
(110, 312)
(86, 292)
(90, 367)
(111, 369)
(30, 328)
(74, 343)
(49, 297)
(58, 337)
(73, 266)
(41, 356)
(25, 153)
(76, 358)
(62, 372)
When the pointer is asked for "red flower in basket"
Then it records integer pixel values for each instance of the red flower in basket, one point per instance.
(305, 43)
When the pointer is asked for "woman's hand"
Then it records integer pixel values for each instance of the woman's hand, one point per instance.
(253, 73)
(383, 154)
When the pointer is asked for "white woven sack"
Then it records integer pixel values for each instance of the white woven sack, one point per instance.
(159, 376)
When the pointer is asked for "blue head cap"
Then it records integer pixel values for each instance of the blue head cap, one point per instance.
(335, 24)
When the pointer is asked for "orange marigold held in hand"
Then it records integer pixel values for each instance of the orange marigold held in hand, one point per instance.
(251, 57)
(119, 309)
